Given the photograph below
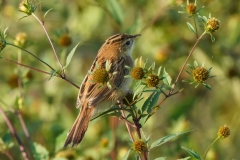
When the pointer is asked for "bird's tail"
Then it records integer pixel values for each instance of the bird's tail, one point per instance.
(76, 133)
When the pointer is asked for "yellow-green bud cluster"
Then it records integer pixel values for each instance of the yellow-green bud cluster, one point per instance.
(200, 74)
(65, 40)
(212, 25)
(104, 142)
(140, 146)
(100, 76)
(137, 73)
(223, 132)
(152, 80)
(191, 8)
(26, 7)
(20, 39)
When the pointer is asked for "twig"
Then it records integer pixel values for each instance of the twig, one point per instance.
(41, 71)
(32, 68)
(189, 55)
(50, 41)
(14, 133)
(19, 114)
(31, 55)
(9, 155)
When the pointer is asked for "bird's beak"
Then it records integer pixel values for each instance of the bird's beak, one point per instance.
(135, 36)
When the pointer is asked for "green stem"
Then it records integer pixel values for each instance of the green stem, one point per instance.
(31, 55)
(210, 147)
(50, 41)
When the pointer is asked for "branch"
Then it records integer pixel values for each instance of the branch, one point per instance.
(189, 55)
(41, 71)
(50, 41)
(14, 133)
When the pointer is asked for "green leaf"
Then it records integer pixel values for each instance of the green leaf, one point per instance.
(159, 70)
(167, 80)
(127, 67)
(151, 101)
(209, 70)
(212, 38)
(195, 64)
(60, 140)
(192, 153)
(47, 12)
(135, 62)
(166, 139)
(187, 72)
(160, 158)
(115, 10)
(207, 86)
(52, 74)
(186, 80)
(69, 57)
(108, 112)
(191, 27)
(153, 66)
(181, 12)
(184, 158)
(39, 152)
(127, 155)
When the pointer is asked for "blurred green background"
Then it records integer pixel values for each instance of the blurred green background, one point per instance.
(48, 107)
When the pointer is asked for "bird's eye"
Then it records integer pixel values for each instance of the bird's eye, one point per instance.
(128, 43)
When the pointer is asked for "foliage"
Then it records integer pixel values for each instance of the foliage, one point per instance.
(45, 106)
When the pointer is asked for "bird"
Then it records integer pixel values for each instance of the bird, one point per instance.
(95, 97)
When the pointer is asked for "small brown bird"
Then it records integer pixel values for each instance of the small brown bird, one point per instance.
(92, 98)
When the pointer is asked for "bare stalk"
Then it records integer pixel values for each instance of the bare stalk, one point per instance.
(41, 71)
(189, 55)
(50, 41)
(14, 133)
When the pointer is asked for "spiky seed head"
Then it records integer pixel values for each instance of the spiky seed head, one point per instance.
(191, 8)
(137, 73)
(65, 40)
(200, 74)
(152, 80)
(100, 76)
(140, 146)
(223, 131)
(212, 25)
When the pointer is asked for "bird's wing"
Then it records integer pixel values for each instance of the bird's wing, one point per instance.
(94, 94)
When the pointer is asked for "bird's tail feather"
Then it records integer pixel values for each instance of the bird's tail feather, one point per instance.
(76, 133)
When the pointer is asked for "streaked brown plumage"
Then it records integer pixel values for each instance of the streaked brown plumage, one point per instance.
(91, 99)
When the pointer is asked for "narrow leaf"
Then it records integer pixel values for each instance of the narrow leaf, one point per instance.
(147, 102)
(181, 12)
(212, 38)
(192, 153)
(167, 80)
(186, 80)
(195, 64)
(184, 158)
(187, 72)
(191, 27)
(127, 155)
(190, 66)
(69, 57)
(161, 158)
(207, 86)
(47, 12)
(153, 102)
(167, 138)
